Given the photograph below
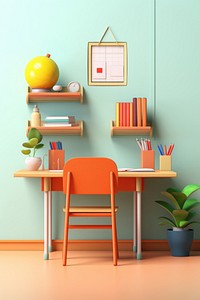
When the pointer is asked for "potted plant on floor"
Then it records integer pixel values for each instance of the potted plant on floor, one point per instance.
(33, 144)
(181, 209)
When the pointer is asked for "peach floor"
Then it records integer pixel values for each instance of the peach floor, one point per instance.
(90, 275)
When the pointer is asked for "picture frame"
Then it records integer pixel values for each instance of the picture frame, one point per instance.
(107, 63)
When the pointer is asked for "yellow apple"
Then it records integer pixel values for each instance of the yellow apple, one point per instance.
(41, 72)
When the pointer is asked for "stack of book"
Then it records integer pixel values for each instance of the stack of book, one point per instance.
(132, 114)
(59, 121)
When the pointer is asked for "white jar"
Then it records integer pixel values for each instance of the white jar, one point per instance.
(35, 117)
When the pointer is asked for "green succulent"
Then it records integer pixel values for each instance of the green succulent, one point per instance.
(179, 206)
(33, 143)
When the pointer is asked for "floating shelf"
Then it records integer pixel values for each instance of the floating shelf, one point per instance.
(63, 96)
(59, 130)
(122, 130)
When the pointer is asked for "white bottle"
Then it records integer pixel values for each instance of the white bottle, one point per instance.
(35, 117)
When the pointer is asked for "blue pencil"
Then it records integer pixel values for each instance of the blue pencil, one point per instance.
(160, 150)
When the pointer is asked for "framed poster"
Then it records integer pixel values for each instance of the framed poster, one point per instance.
(107, 63)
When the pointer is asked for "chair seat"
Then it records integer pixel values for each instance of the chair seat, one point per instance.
(90, 209)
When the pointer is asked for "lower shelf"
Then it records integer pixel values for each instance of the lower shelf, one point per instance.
(123, 130)
(59, 130)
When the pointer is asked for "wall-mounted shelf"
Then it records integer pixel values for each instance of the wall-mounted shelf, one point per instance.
(122, 130)
(59, 130)
(63, 96)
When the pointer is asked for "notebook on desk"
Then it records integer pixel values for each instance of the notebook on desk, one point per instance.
(136, 170)
(120, 170)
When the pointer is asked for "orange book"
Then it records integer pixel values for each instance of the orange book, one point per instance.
(144, 111)
(139, 112)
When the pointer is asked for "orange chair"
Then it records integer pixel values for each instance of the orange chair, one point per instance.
(93, 175)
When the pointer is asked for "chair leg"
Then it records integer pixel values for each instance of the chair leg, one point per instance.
(113, 220)
(65, 247)
(66, 228)
(65, 240)
(114, 240)
(115, 248)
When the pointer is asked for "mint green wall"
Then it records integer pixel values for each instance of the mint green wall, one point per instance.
(163, 65)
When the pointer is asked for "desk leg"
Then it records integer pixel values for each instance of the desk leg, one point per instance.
(47, 216)
(134, 222)
(46, 225)
(139, 222)
(50, 248)
(139, 226)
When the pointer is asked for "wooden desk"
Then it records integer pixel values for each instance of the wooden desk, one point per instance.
(128, 181)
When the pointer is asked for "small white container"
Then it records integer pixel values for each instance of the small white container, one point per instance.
(35, 117)
(57, 88)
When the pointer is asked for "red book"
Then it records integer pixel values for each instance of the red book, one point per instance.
(131, 113)
(123, 114)
(134, 111)
(120, 114)
(127, 113)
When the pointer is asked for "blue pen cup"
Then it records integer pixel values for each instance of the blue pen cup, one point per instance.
(56, 159)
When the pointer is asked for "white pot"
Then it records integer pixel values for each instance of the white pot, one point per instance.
(33, 163)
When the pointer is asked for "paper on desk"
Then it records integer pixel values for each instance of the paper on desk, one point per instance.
(136, 170)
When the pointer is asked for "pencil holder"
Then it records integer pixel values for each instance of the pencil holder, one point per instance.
(56, 159)
(147, 159)
(165, 162)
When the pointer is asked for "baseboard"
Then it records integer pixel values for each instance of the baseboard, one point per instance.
(38, 245)
(87, 245)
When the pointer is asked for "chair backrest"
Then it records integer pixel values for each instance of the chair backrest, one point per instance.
(90, 175)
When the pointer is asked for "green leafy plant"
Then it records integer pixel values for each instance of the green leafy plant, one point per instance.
(179, 206)
(33, 143)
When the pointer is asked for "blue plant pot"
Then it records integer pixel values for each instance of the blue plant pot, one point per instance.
(180, 242)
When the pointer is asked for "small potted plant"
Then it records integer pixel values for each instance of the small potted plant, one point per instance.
(181, 210)
(33, 144)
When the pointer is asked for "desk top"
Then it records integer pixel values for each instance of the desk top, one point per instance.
(57, 174)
